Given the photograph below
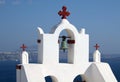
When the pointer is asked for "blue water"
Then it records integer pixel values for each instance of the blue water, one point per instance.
(8, 69)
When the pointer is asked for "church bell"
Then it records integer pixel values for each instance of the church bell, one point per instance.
(63, 46)
(63, 43)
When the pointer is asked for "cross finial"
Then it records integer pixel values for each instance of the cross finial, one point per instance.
(23, 47)
(96, 46)
(63, 12)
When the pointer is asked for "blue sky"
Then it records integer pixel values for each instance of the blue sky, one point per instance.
(19, 20)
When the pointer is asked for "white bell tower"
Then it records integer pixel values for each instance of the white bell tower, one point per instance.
(78, 58)
(48, 46)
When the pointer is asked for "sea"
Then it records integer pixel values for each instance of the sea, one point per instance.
(8, 68)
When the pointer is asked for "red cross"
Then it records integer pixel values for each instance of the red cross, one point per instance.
(23, 47)
(96, 46)
(64, 13)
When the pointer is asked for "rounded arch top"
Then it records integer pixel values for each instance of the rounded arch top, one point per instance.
(64, 25)
(40, 31)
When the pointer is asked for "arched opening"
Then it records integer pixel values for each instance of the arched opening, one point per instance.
(66, 47)
(63, 48)
(50, 79)
(79, 78)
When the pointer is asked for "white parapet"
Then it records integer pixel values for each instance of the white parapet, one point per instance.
(24, 58)
(97, 56)
(82, 31)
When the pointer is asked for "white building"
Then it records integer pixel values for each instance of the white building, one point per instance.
(78, 58)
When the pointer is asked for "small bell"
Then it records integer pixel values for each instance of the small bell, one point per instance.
(63, 46)
(63, 43)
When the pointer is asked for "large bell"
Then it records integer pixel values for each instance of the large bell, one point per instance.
(63, 46)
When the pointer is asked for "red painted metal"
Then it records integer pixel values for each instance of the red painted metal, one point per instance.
(18, 67)
(39, 41)
(64, 13)
(96, 46)
(71, 41)
(23, 47)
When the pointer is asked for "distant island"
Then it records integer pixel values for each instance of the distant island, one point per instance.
(15, 56)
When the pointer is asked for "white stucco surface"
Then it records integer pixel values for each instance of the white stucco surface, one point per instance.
(24, 58)
(97, 56)
(99, 72)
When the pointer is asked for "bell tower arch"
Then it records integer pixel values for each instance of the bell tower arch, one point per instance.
(67, 45)
(72, 33)
(78, 42)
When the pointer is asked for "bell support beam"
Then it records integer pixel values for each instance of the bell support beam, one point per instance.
(71, 41)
